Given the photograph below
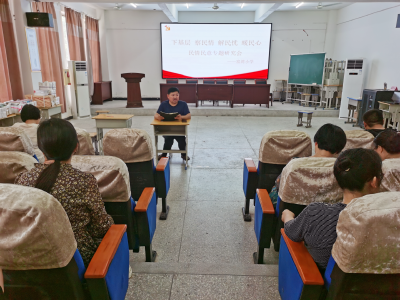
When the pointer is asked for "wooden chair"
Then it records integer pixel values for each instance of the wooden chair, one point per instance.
(172, 80)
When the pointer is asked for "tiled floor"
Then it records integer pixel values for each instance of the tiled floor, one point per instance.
(204, 247)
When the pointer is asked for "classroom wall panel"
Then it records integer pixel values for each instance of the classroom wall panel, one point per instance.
(368, 30)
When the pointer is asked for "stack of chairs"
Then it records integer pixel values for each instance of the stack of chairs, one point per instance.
(85, 142)
(13, 163)
(15, 139)
(359, 139)
(365, 260)
(135, 148)
(303, 181)
(112, 178)
(276, 150)
(39, 256)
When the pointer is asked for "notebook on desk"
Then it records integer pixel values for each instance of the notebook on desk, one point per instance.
(168, 116)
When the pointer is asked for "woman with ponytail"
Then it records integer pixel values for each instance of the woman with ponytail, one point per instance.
(358, 173)
(76, 191)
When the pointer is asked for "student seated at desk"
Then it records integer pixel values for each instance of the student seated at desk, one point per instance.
(30, 115)
(387, 144)
(373, 121)
(77, 191)
(358, 173)
(329, 141)
(174, 105)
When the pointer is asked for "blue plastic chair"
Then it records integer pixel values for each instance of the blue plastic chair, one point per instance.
(45, 263)
(135, 148)
(114, 185)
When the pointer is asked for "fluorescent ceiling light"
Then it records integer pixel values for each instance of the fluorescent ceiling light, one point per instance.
(134, 5)
(300, 4)
(187, 6)
(242, 5)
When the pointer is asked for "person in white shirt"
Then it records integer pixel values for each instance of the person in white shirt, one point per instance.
(30, 116)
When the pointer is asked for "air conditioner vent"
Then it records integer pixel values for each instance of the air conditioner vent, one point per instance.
(354, 64)
(80, 66)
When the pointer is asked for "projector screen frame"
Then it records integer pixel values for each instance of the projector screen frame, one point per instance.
(269, 50)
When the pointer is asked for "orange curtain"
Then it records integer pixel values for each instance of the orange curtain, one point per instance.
(92, 35)
(10, 76)
(50, 52)
(75, 35)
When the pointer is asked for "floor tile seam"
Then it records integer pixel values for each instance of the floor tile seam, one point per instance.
(187, 196)
(205, 274)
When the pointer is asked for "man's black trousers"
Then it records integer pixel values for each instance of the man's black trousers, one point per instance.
(169, 141)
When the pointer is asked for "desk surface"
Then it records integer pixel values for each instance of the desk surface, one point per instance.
(389, 103)
(112, 117)
(9, 116)
(173, 123)
(44, 108)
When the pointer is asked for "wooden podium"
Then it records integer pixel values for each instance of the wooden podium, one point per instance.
(134, 95)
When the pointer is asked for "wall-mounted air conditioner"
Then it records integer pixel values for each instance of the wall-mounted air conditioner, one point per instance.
(353, 83)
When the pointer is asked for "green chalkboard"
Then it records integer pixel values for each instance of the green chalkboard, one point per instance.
(307, 68)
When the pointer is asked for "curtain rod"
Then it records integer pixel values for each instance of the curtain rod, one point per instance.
(82, 13)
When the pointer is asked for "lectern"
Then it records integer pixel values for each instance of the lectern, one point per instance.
(134, 95)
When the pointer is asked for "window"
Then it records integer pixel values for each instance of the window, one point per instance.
(64, 27)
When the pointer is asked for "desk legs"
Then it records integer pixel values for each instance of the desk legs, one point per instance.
(100, 140)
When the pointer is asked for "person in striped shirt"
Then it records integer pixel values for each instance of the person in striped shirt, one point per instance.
(358, 173)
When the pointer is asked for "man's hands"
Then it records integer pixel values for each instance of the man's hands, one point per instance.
(178, 117)
(287, 215)
(158, 117)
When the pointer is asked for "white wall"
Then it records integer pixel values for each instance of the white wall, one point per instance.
(288, 37)
(216, 17)
(134, 46)
(367, 30)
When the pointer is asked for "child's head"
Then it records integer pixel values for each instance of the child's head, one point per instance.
(330, 138)
(373, 118)
(30, 113)
(359, 170)
(387, 144)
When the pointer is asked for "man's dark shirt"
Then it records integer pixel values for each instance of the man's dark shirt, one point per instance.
(181, 108)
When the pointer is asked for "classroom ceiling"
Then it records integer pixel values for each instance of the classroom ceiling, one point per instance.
(223, 6)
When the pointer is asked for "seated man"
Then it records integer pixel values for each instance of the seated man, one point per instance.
(358, 173)
(387, 144)
(373, 121)
(30, 115)
(174, 105)
(329, 141)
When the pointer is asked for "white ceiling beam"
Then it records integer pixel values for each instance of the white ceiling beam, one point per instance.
(170, 11)
(264, 10)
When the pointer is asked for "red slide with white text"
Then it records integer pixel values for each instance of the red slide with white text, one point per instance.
(229, 51)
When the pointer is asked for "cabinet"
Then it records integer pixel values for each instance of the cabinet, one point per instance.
(370, 99)
(102, 92)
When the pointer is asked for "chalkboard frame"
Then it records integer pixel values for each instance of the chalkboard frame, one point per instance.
(308, 83)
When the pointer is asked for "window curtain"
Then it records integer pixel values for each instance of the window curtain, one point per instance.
(92, 35)
(50, 52)
(75, 35)
(10, 76)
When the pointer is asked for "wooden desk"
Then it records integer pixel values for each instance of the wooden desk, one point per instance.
(8, 121)
(215, 92)
(50, 112)
(354, 106)
(251, 94)
(391, 114)
(187, 91)
(170, 128)
(102, 92)
(110, 121)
